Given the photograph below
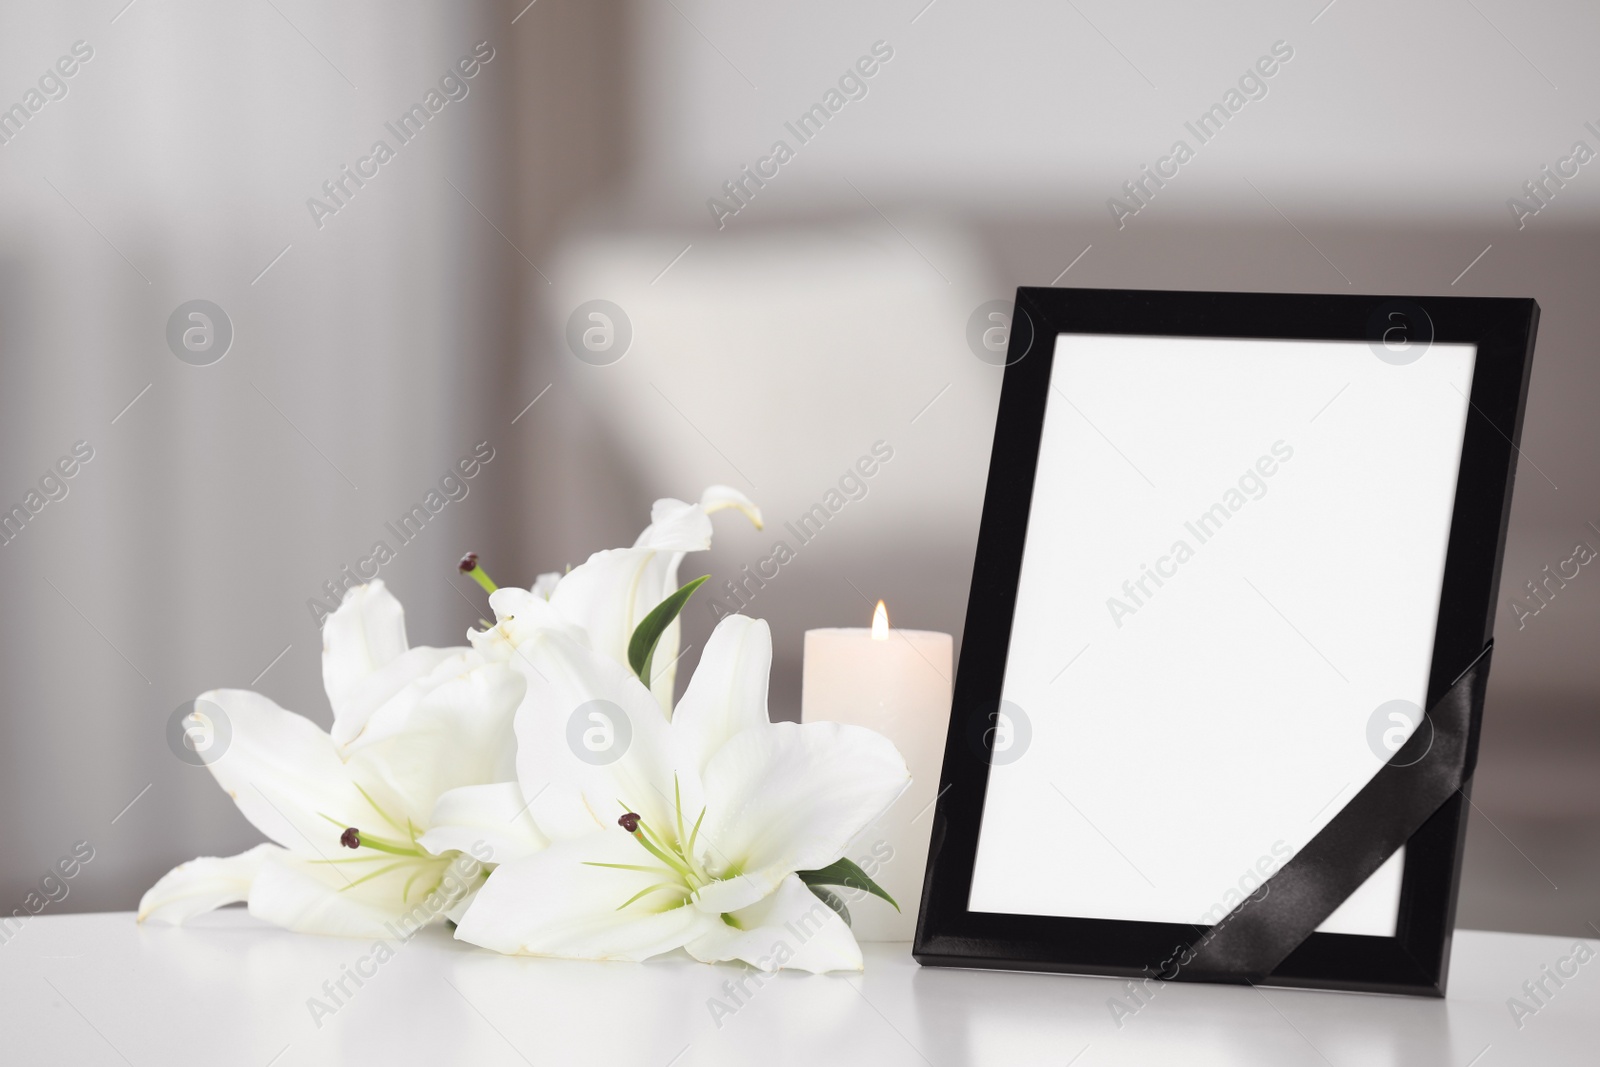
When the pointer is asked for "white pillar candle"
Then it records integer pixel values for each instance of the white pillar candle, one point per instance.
(896, 682)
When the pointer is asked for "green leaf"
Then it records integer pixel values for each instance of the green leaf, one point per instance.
(642, 645)
(844, 872)
(832, 900)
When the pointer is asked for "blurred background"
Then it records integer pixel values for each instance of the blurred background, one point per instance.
(384, 325)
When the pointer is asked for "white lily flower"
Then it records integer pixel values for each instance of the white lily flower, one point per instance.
(350, 810)
(598, 605)
(719, 808)
(602, 601)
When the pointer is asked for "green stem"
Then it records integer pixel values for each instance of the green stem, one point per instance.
(371, 875)
(694, 835)
(482, 578)
(664, 857)
(677, 805)
(660, 854)
(394, 848)
(674, 886)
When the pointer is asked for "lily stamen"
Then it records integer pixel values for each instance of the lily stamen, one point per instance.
(676, 854)
(662, 852)
(469, 566)
(354, 838)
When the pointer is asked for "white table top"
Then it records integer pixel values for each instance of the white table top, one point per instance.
(99, 989)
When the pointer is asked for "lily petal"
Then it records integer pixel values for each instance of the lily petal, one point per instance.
(365, 633)
(519, 615)
(362, 699)
(491, 822)
(557, 903)
(459, 909)
(613, 590)
(202, 885)
(321, 898)
(450, 729)
(728, 693)
(676, 526)
(288, 779)
(789, 797)
(720, 497)
(574, 693)
(791, 928)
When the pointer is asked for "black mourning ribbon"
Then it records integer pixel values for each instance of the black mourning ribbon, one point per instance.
(1261, 932)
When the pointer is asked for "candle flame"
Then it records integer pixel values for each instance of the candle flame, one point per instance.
(880, 623)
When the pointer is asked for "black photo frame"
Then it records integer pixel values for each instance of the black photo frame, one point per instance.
(1413, 961)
